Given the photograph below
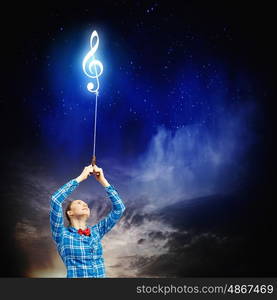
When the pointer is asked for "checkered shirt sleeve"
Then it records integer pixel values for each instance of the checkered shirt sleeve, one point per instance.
(56, 211)
(118, 207)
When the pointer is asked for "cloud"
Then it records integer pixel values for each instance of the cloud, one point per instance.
(195, 160)
(154, 248)
(200, 255)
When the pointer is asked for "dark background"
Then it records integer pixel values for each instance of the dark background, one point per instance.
(27, 37)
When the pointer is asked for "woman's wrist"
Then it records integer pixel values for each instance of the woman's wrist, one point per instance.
(104, 182)
(79, 179)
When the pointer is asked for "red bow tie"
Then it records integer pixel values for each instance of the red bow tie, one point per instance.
(85, 232)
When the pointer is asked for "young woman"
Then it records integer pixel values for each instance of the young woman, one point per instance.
(79, 244)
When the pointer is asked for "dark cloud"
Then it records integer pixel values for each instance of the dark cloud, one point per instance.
(140, 241)
(204, 256)
(216, 236)
(157, 235)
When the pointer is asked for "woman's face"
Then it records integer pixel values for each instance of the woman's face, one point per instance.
(79, 208)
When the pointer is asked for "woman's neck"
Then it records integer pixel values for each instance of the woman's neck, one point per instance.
(81, 223)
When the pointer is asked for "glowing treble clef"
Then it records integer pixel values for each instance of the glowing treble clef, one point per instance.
(92, 67)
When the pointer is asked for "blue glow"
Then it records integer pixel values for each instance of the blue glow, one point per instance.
(92, 67)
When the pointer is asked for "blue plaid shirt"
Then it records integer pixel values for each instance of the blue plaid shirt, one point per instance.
(81, 254)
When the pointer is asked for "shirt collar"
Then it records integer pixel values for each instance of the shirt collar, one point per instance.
(73, 229)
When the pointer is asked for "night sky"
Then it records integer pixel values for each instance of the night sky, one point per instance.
(185, 132)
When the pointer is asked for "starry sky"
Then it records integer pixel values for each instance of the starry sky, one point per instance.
(185, 131)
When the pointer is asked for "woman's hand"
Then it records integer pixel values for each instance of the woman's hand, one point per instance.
(99, 176)
(86, 172)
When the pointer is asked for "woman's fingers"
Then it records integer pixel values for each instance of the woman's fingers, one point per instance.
(97, 171)
(89, 170)
(95, 168)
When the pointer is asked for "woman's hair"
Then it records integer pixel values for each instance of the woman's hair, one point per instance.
(68, 207)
